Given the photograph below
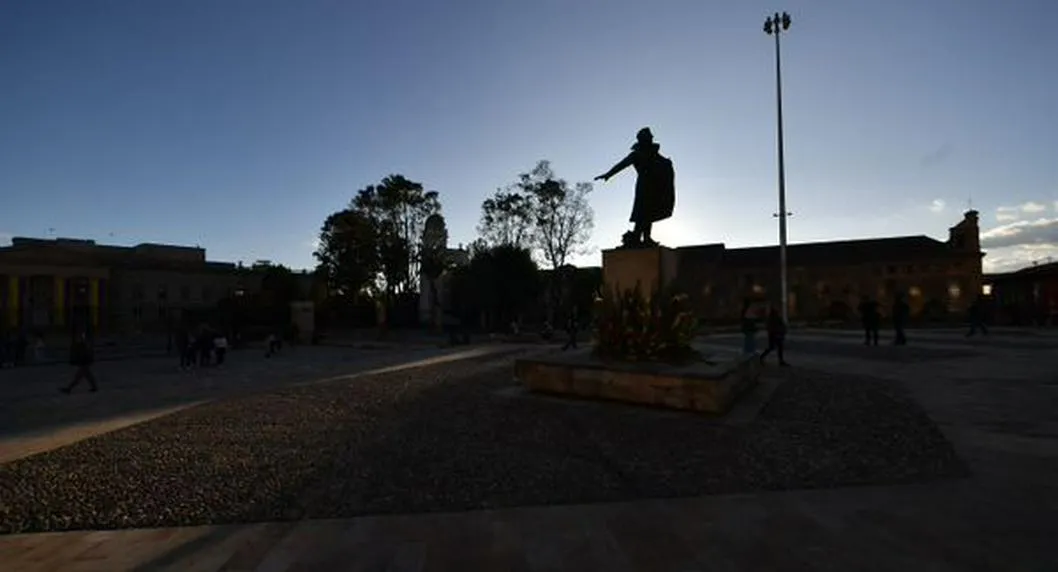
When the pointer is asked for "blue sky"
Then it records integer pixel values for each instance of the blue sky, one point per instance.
(240, 124)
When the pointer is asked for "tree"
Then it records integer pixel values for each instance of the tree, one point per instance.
(398, 209)
(499, 284)
(562, 218)
(348, 253)
(507, 219)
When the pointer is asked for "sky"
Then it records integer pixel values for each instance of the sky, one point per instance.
(239, 125)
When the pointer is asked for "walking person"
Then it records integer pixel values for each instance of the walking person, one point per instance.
(183, 348)
(776, 336)
(81, 357)
(976, 314)
(901, 312)
(205, 347)
(571, 331)
(220, 348)
(749, 328)
(871, 317)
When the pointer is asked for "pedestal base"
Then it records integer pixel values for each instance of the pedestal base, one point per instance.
(652, 268)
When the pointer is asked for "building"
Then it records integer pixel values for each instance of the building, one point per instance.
(72, 284)
(827, 279)
(1026, 296)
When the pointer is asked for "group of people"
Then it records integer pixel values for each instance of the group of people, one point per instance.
(202, 349)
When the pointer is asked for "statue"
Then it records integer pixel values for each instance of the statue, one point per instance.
(655, 188)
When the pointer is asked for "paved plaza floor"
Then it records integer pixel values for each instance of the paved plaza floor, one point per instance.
(995, 398)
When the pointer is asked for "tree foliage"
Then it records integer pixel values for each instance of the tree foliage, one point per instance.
(542, 212)
(373, 245)
(507, 218)
(348, 252)
(498, 285)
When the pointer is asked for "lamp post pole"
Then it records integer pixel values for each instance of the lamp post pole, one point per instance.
(774, 26)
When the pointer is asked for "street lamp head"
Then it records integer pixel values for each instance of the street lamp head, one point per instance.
(767, 26)
(785, 21)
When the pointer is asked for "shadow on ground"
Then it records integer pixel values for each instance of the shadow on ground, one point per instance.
(440, 438)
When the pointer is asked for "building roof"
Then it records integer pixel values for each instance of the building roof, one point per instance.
(842, 252)
(84, 252)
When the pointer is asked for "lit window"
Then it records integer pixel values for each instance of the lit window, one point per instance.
(915, 291)
(986, 289)
(758, 289)
(954, 291)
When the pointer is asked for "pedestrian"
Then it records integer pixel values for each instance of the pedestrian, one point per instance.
(21, 345)
(81, 357)
(976, 316)
(571, 331)
(900, 314)
(220, 348)
(272, 344)
(183, 348)
(776, 336)
(749, 328)
(871, 318)
(205, 347)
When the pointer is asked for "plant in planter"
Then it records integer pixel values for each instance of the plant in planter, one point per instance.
(633, 327)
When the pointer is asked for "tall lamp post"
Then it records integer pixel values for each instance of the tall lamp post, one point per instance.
(775, 25)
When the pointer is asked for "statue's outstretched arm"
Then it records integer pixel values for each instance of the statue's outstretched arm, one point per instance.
(621, 166)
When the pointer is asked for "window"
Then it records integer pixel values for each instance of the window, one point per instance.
(185, 293)
(986, 289)
(915, 291)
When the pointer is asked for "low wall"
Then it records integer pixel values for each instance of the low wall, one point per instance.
(705, 387)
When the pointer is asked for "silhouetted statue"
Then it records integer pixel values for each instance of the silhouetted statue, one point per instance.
(655, 187)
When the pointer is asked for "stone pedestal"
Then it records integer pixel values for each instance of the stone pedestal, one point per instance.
(652, 268)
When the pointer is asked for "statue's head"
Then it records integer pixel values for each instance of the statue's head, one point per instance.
(645, 141)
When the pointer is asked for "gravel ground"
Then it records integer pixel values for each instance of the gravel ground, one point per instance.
(441, 439)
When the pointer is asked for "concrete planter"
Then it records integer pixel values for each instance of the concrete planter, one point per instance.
(700, 386)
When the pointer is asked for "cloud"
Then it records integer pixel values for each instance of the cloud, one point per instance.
(1033, 207)
(936, 156)
(5, 238)
(1006, 214)
(937, 205)
(1013, 258)
(1022, 232)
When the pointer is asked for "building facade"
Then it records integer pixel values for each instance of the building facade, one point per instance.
(827, 279)
(72, 284)
(1024, 297)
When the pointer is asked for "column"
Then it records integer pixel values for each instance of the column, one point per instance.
(13, 299)
(60, 302)
(93, 301)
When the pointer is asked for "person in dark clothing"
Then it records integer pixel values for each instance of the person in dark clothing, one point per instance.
(81, 357)
(205, 348)
(749, 328)
(871, 318)
(776, 336)
(21, 345)
(977, 317)
(901, 312)
(571, 331)
(183, 348)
